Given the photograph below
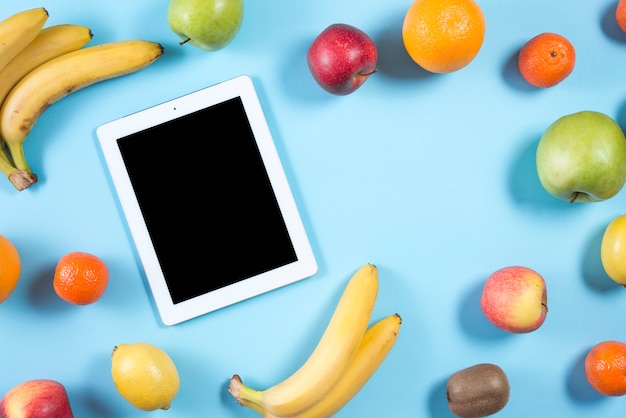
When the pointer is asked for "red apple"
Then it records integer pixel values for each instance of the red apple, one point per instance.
(515, 299)
(39, 398)
(341, 58)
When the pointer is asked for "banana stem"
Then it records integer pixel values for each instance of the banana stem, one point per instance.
(19, 178)
(245, 396)
(19, 159)
(5, 160)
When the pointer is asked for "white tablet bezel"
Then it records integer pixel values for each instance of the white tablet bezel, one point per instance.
(108, 135)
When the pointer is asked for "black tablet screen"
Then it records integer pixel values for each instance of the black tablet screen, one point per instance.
(207, 201)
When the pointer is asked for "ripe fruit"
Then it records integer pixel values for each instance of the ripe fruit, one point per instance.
(80, 278)
(341, 58)
(605, 368)
(329, 360)
(10, 268)
(478, 391)
(443, 36)
(613, 250)
(546, 60)
(515, 299)
(582, 157)
(144, 375)
(39, 398)
(620, 15)
(207, 24)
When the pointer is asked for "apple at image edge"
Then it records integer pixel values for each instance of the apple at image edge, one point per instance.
(37, 398)
(581, 157)
(207, 24)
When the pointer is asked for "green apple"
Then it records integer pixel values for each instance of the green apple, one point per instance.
(581, 157)
(208, 24)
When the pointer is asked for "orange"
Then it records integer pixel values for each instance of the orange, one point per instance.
(546, 60)
(10, 268)
(620, 15)
(605, 368)
(80, 278)
(443, 36)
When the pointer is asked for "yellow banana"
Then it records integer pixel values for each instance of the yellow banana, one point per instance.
(49, 43)
(377, 343)
(60, 76)
(330, 358)
(19, 178)
(19, 30)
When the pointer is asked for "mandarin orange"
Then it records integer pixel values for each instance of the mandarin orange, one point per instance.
(605, 368)
(80, 278)
(620, 15)
(546, 59)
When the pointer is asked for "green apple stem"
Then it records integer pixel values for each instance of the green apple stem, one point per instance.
(184, 41)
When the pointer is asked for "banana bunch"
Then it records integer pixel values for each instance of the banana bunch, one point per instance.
(346, 356)
(39, 66)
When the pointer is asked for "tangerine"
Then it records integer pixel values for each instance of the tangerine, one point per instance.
(620, 15)
(605, 368)
(443, 36)
(546, 60)
(80, 278)
(10, 268)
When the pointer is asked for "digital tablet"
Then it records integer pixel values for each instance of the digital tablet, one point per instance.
(206, 200)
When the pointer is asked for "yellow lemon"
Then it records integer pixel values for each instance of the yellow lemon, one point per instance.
(144, 375)
(613, 250)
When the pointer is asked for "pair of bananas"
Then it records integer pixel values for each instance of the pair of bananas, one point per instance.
(346, 356)
(39, 66)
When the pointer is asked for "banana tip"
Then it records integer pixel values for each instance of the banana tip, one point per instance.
(22, 180)
(234, 387)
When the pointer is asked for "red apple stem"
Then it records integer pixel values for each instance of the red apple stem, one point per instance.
(368, 74)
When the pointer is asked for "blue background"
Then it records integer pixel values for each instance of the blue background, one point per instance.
(430, 177)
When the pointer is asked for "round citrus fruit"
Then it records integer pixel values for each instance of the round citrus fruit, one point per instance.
(546, 60)
(10, 268)
(620, 14)
(443, 36)
(613, 250)
(80, 278)
(144, 375)
(605, 368)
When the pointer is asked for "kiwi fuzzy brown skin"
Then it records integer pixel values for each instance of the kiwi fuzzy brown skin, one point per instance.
(477, 391)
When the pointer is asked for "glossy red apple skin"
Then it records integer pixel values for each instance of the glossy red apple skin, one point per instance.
(514, 299)
(38, 398)
(342, 58)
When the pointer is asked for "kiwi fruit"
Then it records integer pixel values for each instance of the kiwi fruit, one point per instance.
(477, 391)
